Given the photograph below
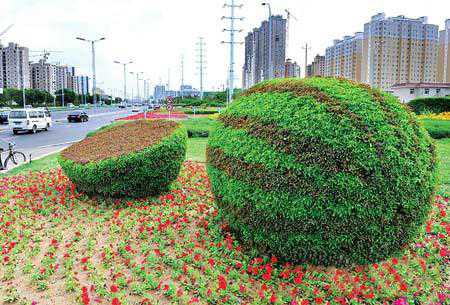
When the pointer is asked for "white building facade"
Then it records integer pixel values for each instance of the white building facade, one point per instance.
(410, 91)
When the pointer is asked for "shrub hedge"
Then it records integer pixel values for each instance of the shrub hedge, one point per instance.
(136, 159)
(321, 170)
(432, 104)
(438, 129)
(201, 111)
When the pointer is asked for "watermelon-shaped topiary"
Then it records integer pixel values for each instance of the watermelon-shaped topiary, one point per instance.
(136, 159)
(322, 170)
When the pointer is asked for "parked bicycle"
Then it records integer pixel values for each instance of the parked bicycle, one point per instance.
(14, 156)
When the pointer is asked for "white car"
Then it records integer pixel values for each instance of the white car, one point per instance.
(135, 109)
(29, 120)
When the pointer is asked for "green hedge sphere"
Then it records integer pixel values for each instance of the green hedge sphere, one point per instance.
(322, 170)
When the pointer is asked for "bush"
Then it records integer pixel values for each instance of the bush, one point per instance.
(135, 159)
(433, 105)
(438, 129)
(201, 111)
(199, 127)
(321, 170)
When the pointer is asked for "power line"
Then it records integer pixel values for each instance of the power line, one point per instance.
(306, 48)
(201, 55)
(232, 30)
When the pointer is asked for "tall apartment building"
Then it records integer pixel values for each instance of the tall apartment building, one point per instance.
(256, 67)
(62, 73)
(291, 69)
(83, 85)
(399, 50)
(443, 72)
(43, 76)
(317, 67)
(343, 59)
(72, 80)
(14, 67)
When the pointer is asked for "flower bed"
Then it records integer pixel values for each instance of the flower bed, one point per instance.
(136, 159)
(154, 116)
(59, 247)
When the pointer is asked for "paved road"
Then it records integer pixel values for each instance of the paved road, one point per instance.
(62, 134)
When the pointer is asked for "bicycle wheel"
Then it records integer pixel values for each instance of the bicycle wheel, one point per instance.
(16, 158)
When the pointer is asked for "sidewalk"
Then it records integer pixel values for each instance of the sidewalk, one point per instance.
(36, 154)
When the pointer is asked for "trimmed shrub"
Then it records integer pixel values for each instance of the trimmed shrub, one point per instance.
(322, 170)
(136, 159)
(201, 111)
(438, 129)
(432, 104)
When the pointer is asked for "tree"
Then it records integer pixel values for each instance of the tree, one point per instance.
(34, 97)
(69, 97)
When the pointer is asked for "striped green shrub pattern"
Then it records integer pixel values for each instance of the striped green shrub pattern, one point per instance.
(322, 170)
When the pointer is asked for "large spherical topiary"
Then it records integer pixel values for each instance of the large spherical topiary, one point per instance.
(136, 159)
(322, 170)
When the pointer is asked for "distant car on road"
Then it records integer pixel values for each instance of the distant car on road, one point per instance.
(135, 109)
(4, 116)
(77, 116)
(29, 119)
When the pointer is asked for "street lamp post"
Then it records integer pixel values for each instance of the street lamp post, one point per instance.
(270, 39)
(124, 77)
(94, 81)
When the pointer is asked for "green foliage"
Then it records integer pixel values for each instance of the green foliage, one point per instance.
(138, 174)
(201, 111)
(34, 97)
(69, 97)
(199, 127)
(432, 104)
(321, 170)
(438, 129)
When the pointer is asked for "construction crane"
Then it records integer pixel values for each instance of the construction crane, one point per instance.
(6, 30)
(44, 53)
(288, 26)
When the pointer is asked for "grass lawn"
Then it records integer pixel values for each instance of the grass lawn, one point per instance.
(443, 147)
(195, 152)
(43, 164)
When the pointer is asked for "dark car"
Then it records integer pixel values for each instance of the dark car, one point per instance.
(78, 116)
(4, 117)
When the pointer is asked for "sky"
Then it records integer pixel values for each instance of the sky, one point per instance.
(155, 34)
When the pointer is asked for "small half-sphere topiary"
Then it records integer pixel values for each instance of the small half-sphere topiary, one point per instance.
(321, 170)
(137, 159)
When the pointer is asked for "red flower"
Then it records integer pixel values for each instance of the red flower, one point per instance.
(116, 301)
(305, 302)
(222, 282)
(273, 298)
(114, 288)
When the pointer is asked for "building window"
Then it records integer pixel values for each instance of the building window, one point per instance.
(411, 91)
(438, 90)
(427, 91)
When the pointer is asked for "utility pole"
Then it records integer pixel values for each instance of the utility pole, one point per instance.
(306, 48)
(124, 77)
(201, 62)
(182, 71)
(94, 80)
(168, 79)
(232, 30)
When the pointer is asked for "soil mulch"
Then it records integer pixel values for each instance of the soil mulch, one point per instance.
(120, 140)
